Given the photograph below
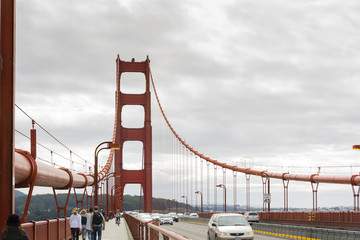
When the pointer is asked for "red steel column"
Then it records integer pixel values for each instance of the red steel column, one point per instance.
(148, 143)
(7, 79)
(118, 154)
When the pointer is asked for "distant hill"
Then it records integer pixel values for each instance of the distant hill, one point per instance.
(44, 207)
(19, 194)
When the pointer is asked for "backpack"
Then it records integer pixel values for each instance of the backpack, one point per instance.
(97, 218)
(83, 220)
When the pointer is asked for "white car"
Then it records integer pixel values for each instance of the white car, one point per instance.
(229, 226)
(155, 216)
(145, 217)
(252, 216)
(166, 219)
(194, 215)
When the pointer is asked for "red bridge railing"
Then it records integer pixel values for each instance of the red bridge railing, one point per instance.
(149, 230)
(54, 229)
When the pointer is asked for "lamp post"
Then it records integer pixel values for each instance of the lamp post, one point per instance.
(107, 177)
(267, 200)
(112, 200)
(110, 145)
(100, 202)
(224, 187)
(186, 202)
(198, 192)
(356, 193)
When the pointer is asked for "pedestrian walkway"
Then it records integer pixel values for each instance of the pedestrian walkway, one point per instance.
(113, 231)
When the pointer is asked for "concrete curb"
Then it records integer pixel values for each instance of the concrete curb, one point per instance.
(195, 220)
(302, 232)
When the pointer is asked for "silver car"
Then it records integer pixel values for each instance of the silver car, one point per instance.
(229, 226)
(252, 216)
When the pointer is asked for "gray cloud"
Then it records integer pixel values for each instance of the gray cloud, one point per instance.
(274, 81)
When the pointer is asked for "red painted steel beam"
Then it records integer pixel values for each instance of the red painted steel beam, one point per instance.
(7, 78)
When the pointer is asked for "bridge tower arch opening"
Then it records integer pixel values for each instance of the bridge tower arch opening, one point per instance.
(123, 134)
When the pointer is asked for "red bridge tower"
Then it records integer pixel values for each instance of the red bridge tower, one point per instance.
(142, 176)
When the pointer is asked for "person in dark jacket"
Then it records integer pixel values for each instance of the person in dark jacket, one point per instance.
(13, 229)
(83, 223)
(97, 223)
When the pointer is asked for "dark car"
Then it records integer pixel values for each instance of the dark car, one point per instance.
(174, 216)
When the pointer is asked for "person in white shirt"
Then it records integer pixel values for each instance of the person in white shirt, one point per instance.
(75, 224)
(88, 223)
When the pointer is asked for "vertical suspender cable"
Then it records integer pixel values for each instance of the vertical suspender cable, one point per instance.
(181, 171)
(184, 171)
(172, 169)
(215, 188)
(196, 182)
(224, 183)
(201, 176)
(177, 170)
(208, 186)
(187, 174)
(174, 164)
(235, 189)
(191, 179)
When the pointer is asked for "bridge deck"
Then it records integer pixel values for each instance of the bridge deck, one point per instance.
(113, 231)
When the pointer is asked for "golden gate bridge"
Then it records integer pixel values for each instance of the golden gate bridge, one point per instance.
(22, 169)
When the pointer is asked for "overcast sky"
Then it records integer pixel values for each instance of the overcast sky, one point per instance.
(274, 84)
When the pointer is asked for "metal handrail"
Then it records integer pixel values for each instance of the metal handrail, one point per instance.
(142, 230)
(165, 233)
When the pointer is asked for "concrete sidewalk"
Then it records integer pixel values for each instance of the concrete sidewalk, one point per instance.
(113, 231)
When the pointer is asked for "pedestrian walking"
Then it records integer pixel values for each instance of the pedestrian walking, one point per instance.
(97, 224)
(13, 229)
(83, 224)
(88, 223)
(75, 224)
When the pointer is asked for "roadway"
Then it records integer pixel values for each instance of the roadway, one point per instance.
(199, 231)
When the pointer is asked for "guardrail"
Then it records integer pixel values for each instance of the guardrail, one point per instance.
(203, 221)
(54, 229)
(339, 219)
(302, 232)
(142, 230)
(346, 220)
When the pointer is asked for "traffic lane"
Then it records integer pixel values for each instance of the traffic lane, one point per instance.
(189, 230)
(199, 232)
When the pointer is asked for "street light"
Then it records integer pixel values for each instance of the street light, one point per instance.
(107, 177)
(223, 186)
(198, 192)
(356, 204)
(186, 202)
(112, 200)
(110, 145)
